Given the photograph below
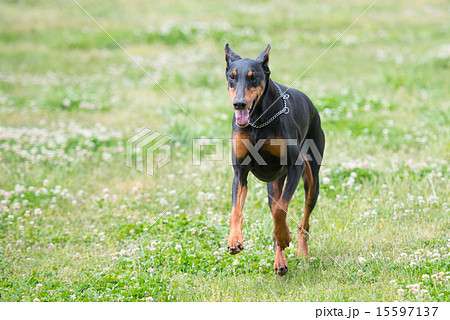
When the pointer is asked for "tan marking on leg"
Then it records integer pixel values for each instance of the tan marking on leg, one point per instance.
(281, 230)
(235, 239)
(304, 224)
(280, 265)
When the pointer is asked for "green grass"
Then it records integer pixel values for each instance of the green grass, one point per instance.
(76, 224)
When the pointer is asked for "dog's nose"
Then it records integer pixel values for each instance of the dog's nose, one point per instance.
(239, 104)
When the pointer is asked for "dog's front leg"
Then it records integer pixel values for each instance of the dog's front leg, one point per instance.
(282, 235)
(280, 208)
(235, 239)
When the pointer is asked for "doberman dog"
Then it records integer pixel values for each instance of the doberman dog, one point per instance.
(277, 136)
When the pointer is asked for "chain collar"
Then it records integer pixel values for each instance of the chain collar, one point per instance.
(285, 110)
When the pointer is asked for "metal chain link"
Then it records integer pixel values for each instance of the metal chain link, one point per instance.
(285, 110)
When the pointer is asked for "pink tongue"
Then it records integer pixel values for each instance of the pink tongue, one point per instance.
(241, 116)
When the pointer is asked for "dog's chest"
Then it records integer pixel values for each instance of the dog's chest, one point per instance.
(260, 150)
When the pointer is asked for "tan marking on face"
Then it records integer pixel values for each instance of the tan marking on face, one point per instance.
(275, 146)
(252, 94)
(232, 92)
(238, 145)
(250, 73)
(234, 73)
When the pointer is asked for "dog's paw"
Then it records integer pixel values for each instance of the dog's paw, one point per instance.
(235, 243)
(283, 237)
(280, 266)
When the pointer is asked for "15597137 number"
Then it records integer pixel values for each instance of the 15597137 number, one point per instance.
(406, 311)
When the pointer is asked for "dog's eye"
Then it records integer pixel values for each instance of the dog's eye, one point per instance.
(252, 78)
(232, 76)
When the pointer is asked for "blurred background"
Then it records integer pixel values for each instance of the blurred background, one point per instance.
(70, 97)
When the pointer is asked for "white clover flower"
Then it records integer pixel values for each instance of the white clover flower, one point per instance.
(326, 180)
(362, 260)
(77, 255)
(414, 288)
(424, 292)
(401, 292)
(425, 277)
(178, 247)
(37, 211)
(360, 272)
(235, 262)
(36, 300)
(149, 299)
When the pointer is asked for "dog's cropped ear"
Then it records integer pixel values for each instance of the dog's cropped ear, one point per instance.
(264, 59)
(230, 56)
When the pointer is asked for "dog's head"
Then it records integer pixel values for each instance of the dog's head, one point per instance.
(246, 80)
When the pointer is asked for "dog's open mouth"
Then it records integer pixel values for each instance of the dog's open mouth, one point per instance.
(243, 115)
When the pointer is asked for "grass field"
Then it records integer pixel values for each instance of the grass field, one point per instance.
(76, 224)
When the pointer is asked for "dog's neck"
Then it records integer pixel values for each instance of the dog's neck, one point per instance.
(266, 106)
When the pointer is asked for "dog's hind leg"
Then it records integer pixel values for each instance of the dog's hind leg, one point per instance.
(310, 201)
(311, 185)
